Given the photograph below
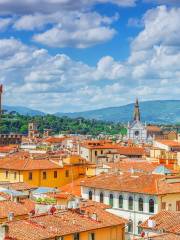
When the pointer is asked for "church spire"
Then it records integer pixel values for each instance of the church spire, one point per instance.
(137, 116)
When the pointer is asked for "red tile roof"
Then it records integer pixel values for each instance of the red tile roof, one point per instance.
(136, 183)
(62, 223)
(169, 221)
(18, 186)
(154, 128)
(9, 206)
(73, 187)
(27, 164)
(169, 143)
(126, 165)
(54, 140)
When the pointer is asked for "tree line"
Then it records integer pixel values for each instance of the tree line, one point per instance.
(16, 123)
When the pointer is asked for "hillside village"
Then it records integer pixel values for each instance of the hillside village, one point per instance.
(79, 187)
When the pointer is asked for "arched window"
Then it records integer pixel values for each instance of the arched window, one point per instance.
(139, 227)
(130, 226)
(151, 206)
(90, 195)
(140, 204)
(130, 203)
(101, 197)
(120, 201)
(111, 200)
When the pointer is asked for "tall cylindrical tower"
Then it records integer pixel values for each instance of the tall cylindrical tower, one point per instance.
(1, 91)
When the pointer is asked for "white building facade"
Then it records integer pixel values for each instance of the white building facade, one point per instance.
(137, 131)
(133, 206)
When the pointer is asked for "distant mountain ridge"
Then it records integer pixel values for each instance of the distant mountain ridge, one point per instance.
(158, 111)
(23, 110)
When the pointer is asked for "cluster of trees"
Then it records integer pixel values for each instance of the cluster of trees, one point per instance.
(15, 122)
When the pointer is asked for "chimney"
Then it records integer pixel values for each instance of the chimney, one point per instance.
(4, 231)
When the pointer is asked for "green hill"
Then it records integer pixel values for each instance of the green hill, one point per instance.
(159, 111)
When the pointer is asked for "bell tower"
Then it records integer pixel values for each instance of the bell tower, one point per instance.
(137, 116)
(1, 92)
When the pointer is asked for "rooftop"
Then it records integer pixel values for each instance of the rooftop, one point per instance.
(136, 183)
(169, 221)
(63, 223)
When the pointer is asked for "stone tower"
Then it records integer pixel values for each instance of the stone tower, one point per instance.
(32, 130)
(137, 115)
(137, 131)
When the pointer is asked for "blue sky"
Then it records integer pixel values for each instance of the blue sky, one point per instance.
(67, 55)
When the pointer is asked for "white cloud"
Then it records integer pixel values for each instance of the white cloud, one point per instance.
(168, 2)
(161, 26)
(74, 29)
(30, 72)
(35, 78)
(4, 23)
(23, 7)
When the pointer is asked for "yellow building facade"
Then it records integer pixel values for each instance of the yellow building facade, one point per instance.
(47, 174)
(109, 233)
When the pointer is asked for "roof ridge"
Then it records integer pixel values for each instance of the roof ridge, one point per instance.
(25, 164)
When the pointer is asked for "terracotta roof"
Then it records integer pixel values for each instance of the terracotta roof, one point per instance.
(7, 149)
(163, 236)
(73, 187)
(169, 221)
(136, 183)
(9, 206)
(169, 143)
(27, 164)
(135, 151)
(54, 139)
(124, 150)
(126, 165)
(19, 186)
(62, 223)
(154, 128)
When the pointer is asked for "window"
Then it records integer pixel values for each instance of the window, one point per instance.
(140, 204)
(163, 206)
(91, 236)
(139, 227)
(177, 205)
(111, 200)
(169, 207)
(95, 153)
(151, 206)
(55, 174)
(44, 175)
(120, 201)
(130, 226)
(130, 203)
(15, 175)
(136, 133)
(30, 176)
(101, 151)
(67, 173)
(7, 174)
(90, 195)
(101, 197)
(76, 236)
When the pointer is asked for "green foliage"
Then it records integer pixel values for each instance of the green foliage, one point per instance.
(45, 200)
(19, 123)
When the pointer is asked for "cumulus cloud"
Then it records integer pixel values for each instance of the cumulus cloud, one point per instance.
(34, 77)
(49, 6)
(4, 23)
(78, 30)
(168, 2)
(28, 72)
(161, 26)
